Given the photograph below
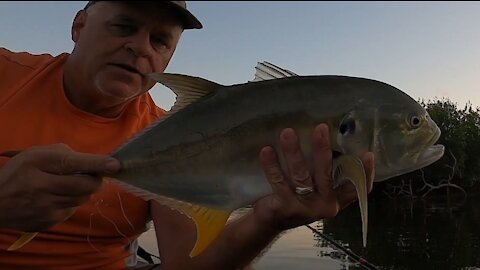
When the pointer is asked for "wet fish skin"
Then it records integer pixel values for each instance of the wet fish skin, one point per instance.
(201, 152)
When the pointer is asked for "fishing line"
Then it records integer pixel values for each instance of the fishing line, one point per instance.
(111, 221)
(123, 213)
(362, 261)
(88, 236)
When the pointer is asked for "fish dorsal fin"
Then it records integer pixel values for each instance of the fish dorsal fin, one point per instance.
(349, 167)
(268, 71)
(187, 88)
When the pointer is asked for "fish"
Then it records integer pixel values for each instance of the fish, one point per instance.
(202, 157)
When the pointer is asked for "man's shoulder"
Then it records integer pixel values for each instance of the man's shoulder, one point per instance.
(23, 58)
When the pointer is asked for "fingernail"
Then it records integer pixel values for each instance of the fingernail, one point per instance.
(288, 134)
(318, 137)
(324, 133)
(324, 129)
(318, 133)
(268, 152)
(112, 165)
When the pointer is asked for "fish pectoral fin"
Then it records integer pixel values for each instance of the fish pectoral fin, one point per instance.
(349, 167)
(24, 238)
(209, 223)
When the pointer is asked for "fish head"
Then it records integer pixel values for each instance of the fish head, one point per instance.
(405, 140)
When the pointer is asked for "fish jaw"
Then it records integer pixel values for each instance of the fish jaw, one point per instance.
(426, 158)
(430, 155)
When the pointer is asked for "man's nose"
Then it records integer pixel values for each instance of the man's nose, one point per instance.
(139, 45)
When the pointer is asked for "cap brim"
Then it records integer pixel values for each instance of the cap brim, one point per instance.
(189, 20)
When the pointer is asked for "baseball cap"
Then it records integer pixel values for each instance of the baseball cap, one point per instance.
(189, 20)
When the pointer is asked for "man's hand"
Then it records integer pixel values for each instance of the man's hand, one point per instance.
(285, 209)
(41, 186)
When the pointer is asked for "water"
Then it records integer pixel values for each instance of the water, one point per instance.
(402, 234)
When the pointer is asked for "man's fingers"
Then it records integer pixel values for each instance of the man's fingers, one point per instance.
(60, 159)
(272, 170)
(299, 174)
(56, 217)
(68, 201)
(86, 163)
(70, 185)
(322, 158)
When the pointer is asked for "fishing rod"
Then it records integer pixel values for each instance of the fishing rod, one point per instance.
(362, 261)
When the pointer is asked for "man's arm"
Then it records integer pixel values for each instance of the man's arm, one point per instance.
(243, 240)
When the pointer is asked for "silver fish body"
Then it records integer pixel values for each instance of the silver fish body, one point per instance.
(207, 153)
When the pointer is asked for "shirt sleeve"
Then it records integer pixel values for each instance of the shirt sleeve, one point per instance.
(16, 68)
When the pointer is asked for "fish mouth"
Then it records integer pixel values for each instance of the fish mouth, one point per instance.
(430, 155)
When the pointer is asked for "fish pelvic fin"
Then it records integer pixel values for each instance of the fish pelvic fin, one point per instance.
(24, 238)
(349, 167)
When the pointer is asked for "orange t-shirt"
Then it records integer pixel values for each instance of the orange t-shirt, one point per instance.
(35, 111)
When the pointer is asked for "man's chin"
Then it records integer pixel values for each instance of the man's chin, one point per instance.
(119, 92)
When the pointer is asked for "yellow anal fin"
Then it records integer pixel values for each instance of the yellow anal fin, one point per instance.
(209, 222)
(348, 167)
(25, 237)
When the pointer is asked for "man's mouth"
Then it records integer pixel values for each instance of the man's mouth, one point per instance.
(127, 68)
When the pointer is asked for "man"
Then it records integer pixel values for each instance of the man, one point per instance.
(67, 113)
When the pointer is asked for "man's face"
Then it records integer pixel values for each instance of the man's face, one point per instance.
(118, 42)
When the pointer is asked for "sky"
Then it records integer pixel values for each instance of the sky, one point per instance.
(428, 50)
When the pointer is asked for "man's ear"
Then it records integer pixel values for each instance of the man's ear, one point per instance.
(78, 24)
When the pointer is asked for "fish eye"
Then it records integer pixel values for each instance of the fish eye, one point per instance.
(415, 121)
(347, 127)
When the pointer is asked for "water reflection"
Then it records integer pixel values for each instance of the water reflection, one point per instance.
(413, 235)
(401, 235)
